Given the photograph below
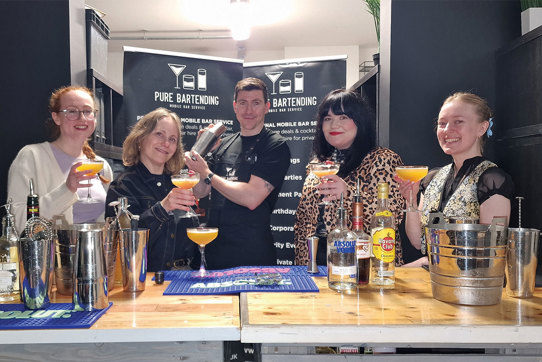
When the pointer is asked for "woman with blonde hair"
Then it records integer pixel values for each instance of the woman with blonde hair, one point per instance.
(152, 152)
(471, 186)
(53, 165)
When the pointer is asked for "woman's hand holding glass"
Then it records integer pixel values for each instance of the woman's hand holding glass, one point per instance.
(78, 179)
(408, 178)
(178, 199)
(323, 171)
(332, 188)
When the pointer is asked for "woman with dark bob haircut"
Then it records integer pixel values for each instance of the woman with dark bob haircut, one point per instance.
(345, 133)
(152, 152)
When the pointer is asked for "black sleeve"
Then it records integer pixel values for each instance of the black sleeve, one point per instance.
(494, 181)
(151, 213)
(273, 162)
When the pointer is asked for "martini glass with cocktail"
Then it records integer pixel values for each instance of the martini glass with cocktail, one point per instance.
(412, 174)
(186, 179)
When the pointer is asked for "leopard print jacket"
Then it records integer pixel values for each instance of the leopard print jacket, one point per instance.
(378, 166)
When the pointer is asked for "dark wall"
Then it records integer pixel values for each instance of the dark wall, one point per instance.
(35, 60)
(519, 92)
(438, 47)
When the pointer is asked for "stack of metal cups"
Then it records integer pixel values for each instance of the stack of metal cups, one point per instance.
(89, 275)
(36, 272)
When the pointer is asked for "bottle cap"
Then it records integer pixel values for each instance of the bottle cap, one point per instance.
(383, 189)
(159, 277)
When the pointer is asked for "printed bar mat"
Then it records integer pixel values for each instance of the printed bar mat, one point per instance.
(240, 280)
(295, 269)
(57, 315)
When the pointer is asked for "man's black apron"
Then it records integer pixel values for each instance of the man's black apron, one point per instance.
(244, 235)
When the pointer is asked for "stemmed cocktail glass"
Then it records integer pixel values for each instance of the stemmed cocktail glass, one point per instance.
(92, 167)
(273, 76)
(186, 179)
(202, 236)
(325, 169)
(176, 69)
(414, 174)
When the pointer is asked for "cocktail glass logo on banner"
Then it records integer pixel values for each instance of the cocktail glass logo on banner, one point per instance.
(189, 81)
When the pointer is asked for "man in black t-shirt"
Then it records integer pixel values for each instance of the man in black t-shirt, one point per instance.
(244, 174)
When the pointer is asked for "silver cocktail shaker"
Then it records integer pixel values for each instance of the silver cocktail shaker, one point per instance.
(208, 138)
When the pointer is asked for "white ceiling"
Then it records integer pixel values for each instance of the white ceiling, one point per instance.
(310, 23)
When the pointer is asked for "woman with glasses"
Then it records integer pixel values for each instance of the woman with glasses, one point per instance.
(53, 165)
(153, 152)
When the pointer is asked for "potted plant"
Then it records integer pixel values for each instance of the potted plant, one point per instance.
(531, 15)
(373, 7)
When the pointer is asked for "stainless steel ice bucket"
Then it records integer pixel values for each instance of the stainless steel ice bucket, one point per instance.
(466, 261)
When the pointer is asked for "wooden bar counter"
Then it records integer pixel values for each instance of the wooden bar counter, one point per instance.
(146, 316)
(406, 316)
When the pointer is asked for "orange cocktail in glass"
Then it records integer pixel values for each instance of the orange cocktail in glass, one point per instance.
(92, 167)
(186, 179)
(412, 174)
(202, 236)
(325, 169)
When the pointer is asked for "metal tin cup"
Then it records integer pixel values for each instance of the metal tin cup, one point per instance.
(133, 258)
(36, 272)
(521, 261)
(90, 274)
(312, 244)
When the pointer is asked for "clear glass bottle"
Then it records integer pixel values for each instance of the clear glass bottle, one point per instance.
(382, 273)
(341, 255)
(9, 259)
(363, 244)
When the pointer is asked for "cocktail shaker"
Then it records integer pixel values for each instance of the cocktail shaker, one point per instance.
(208, 138)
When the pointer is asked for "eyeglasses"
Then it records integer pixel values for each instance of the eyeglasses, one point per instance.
(74, 114)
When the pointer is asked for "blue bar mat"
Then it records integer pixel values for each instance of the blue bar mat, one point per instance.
(57, 315)
(250, 270)
(239, 280)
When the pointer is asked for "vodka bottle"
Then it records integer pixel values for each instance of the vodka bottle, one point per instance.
(363, 244)
(9, 259)
(382, 273)
(341, 255)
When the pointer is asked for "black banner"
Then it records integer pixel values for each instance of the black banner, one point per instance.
(198, 88)
(295, 88)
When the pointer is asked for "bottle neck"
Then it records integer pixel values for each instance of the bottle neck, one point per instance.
(341, 220)
(382, 202)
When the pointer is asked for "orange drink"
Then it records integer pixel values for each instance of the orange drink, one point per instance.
(184, 184)
(93, 166)
(411, 173)
(202, 235)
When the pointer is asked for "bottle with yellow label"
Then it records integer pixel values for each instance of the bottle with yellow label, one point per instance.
(382, 272)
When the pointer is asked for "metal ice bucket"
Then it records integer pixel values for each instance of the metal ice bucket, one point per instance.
(466, 261)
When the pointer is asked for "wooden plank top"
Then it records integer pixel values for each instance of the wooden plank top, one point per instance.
(407, 315)
(145, 317)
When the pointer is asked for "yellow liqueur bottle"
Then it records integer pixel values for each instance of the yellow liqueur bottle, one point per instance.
(382, 272)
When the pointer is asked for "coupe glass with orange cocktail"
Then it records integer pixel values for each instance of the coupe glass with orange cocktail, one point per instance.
(186, 179)
(413, 174)
(202, 236)
(325, 169)
(92, 167)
